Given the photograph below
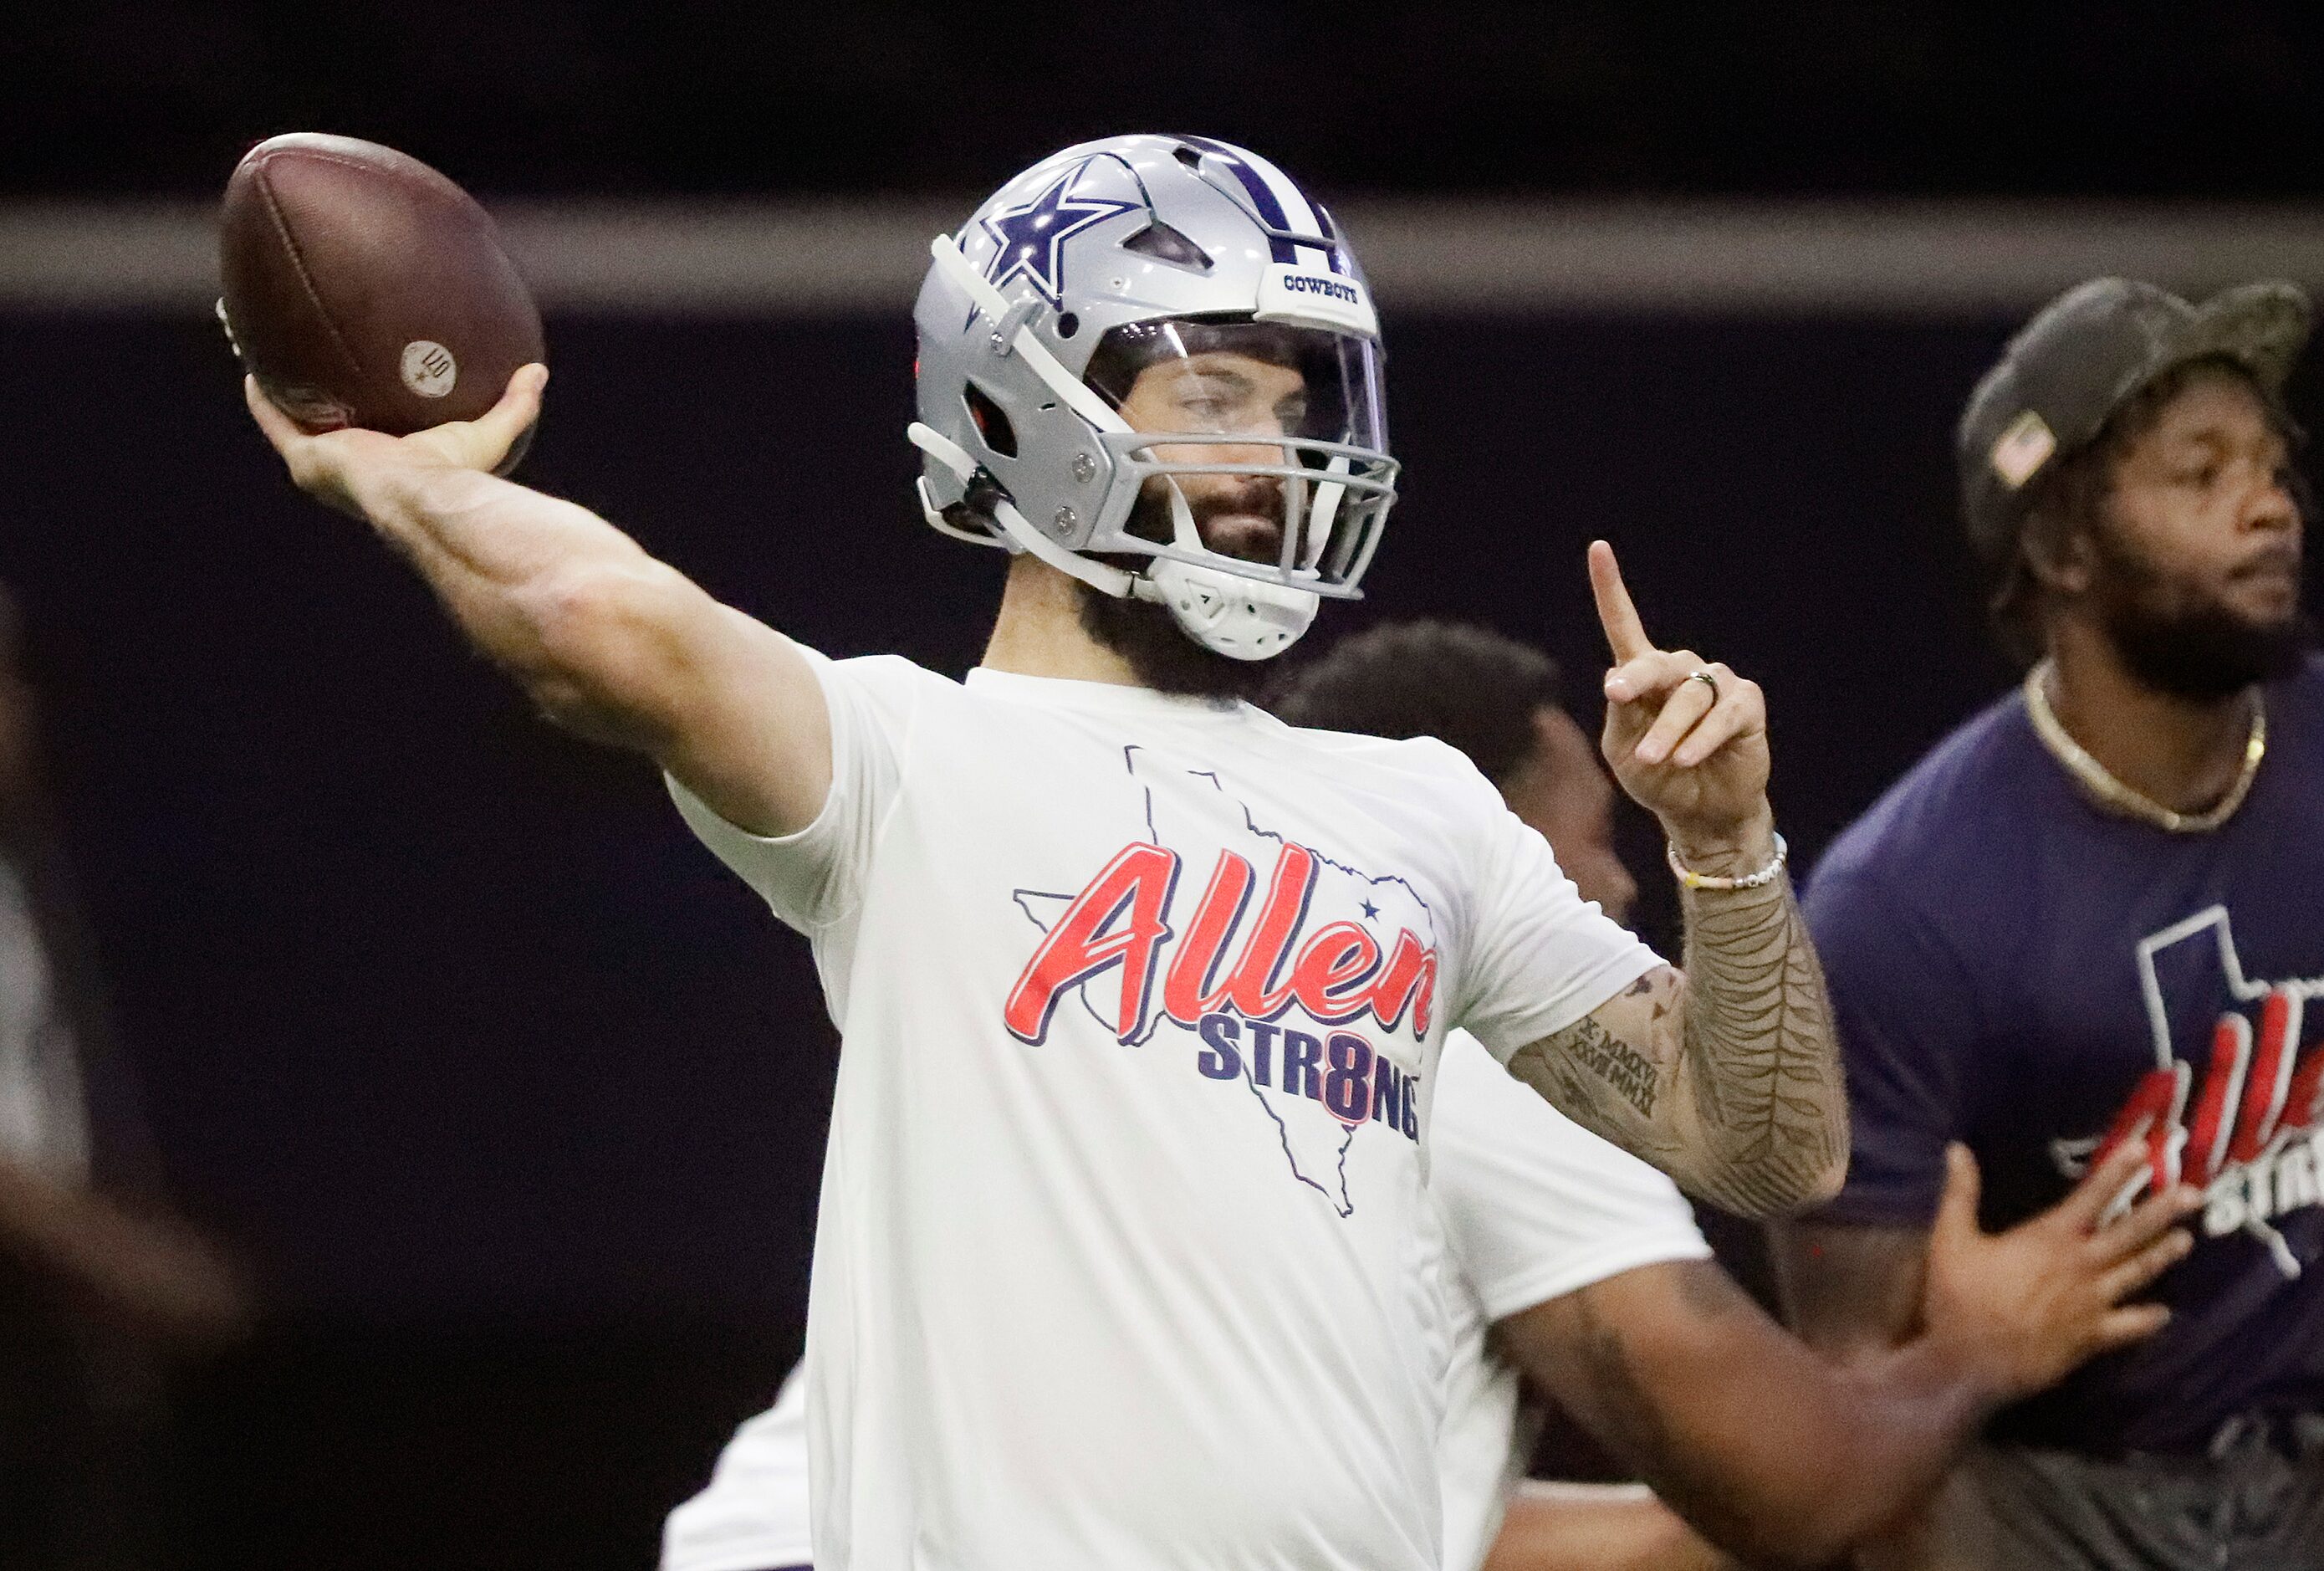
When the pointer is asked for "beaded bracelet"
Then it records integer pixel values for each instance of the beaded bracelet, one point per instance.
(1693, 879)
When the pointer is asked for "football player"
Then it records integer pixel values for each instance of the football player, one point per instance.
(1586, 1262)
(1141, 990)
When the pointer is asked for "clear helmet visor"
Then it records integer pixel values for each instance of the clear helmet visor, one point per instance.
(1257, 448)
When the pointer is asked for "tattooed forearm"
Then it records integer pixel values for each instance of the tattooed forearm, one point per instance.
(1758, 1053)
(1726, 1077)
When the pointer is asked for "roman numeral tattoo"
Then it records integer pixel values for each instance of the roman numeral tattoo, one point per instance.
(1617, 1063)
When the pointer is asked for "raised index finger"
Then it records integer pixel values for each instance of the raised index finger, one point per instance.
(1625, 635)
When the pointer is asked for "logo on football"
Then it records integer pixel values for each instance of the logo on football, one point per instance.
(429, 368)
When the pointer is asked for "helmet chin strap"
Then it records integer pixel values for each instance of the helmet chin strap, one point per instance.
(1228, 613)
(1225, 613)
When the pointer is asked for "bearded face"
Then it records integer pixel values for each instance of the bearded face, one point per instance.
(2193, 571)
(2178, 634)
(1213, 392)
(1159, 652)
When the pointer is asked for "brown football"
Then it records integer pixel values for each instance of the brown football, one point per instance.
(362, 288)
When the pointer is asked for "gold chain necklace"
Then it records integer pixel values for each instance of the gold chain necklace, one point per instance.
(2110, 792)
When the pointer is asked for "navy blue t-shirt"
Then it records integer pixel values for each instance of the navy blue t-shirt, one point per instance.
(2013, 968)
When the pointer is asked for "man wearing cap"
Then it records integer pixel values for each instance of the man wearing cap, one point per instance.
(2094, 914)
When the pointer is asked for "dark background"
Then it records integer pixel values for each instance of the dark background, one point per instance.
(1876, 97)
(513, 1099)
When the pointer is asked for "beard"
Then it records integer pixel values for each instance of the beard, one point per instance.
(1159, 652)
(1145, 634)
(1237, 496)
(2190, 648)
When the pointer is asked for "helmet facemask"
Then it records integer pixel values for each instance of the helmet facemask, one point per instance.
(1250, 474)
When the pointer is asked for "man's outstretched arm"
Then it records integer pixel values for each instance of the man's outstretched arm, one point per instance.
(608, 642)
(1726, 1074)
(1853, 1293)
(1784, 1458)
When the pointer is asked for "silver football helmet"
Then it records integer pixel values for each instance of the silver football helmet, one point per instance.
(1137, 337)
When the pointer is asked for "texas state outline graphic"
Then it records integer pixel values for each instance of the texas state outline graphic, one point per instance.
(1199, 825)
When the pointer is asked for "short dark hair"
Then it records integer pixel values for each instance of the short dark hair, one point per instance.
(2070, 496)
(1462, 684)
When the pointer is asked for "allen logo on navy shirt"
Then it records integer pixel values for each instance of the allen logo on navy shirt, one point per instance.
(2250, 1137)
(1309, 983)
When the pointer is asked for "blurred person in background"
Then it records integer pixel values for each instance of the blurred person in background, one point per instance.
(2089, 921)
(91, 1286)
(1584, 1266)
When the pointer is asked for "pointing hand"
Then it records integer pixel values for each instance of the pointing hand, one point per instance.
(1687, 738)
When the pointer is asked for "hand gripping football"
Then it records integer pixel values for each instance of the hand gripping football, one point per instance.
(362, 288)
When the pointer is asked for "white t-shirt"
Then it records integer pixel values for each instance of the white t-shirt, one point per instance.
(1123, 1257)
(1535, 1206)
(752, 1514)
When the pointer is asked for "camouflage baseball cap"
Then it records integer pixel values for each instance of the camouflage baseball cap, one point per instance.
(2080, 359)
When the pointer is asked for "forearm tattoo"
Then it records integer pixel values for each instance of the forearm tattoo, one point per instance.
(1730, 1082)
(1759, 1049)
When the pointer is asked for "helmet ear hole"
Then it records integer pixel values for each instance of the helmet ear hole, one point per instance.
(992, 424)
(1161, 242)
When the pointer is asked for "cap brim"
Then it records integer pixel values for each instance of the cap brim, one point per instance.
(2261, 327)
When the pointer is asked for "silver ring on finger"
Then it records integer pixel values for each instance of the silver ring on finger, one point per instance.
(1708, 681)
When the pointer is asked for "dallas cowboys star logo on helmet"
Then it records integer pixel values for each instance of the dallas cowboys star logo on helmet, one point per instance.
(1031, 238)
